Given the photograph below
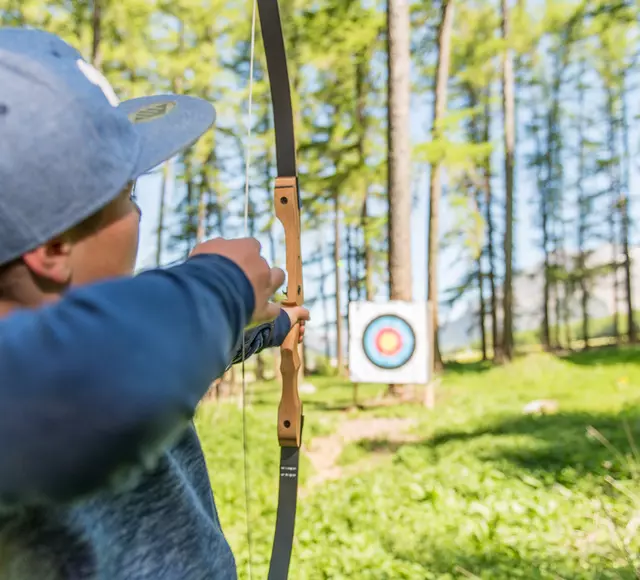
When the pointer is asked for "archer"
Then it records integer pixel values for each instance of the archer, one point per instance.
(101, 472)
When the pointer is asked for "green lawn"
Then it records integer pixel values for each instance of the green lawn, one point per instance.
(474, 489)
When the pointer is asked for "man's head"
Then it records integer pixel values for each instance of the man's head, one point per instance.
(70, 154)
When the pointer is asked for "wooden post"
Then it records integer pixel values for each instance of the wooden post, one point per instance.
(430, 387)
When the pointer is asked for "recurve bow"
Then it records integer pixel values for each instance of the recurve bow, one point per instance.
(287, 208)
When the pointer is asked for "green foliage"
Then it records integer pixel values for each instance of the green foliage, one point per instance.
(323, 367)
(475, 489)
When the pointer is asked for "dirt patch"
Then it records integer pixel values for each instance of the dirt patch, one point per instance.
(325, 451)
(358, 429)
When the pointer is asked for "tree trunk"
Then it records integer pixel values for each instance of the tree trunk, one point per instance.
(368, 252)
(338, 284)
(557, 314)
(557, 310)
(260, 367)
(350, 279)
(475, 136)
(325, 304)
(613, 209)
(304, 366)
(96, 26)
(546, 293)
(201, 222)
(302, 370)
(566, 313)
(583, 211)
(566, 285)
(481, 315)
(614, 271)
(352, 286)
(488, 192)
(189, 228)
(624, 211)
(435, 182)
(584, 304)
(399, 152)
(508, 105)
(352, 269)
(166, 174)
(624, 215)
(545, 211)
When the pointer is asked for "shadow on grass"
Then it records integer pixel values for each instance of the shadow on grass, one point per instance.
(461, 368)
(508, 564)
(558, 446)
(605, 355)
(382, 445)
(272, 400)
(327, 407)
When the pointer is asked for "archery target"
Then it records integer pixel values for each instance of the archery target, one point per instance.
(388, 342)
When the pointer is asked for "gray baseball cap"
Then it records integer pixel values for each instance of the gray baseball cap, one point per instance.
(67, 146)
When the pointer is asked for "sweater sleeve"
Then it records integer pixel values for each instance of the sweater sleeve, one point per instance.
(99, 383)
(263, 336)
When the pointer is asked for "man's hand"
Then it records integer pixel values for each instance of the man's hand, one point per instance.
(265, 281)
(298, 315)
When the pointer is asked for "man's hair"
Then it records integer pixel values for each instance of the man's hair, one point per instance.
(8, 277)
(86, 227)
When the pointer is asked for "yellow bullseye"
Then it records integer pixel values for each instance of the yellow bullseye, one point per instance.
(388, 341)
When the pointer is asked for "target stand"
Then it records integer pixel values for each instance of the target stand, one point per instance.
(388, 342)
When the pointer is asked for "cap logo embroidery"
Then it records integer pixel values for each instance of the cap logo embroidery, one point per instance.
(98, 79)
(151, 112)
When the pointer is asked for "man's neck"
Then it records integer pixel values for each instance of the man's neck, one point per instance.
(31, 302)
(7, 308)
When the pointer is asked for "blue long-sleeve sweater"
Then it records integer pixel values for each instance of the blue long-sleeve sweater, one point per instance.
(101, 472)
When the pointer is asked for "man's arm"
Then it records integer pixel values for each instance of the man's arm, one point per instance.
(263, 336)
(102, 381)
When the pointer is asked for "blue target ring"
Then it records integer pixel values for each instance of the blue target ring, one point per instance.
(388, 341)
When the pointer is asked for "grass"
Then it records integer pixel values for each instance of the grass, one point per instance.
(476, 489)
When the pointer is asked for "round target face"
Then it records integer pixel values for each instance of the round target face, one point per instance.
(389, 341)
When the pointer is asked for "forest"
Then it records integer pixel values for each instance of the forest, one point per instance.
(479, 155)
(485, 115)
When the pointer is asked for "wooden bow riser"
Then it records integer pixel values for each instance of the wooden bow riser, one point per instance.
(287, 207)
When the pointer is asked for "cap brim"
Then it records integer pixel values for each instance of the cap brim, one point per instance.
(167, 124)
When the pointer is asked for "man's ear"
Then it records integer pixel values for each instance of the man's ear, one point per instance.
(51, 261)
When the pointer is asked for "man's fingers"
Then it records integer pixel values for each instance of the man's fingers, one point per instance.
(251, 241)
(265, 281)
(299, 314)
(277, 279)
